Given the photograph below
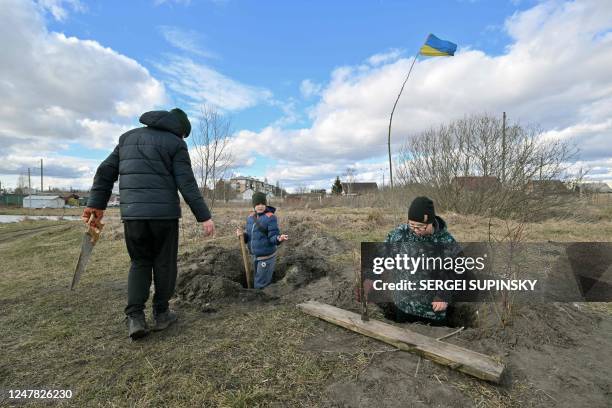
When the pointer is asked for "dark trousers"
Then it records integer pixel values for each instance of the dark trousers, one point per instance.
(392, 312)
(153, 248)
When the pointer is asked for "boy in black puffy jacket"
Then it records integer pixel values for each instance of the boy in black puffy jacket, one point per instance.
(262, 236)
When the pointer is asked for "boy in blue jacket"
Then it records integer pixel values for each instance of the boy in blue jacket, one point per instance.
(262, 236)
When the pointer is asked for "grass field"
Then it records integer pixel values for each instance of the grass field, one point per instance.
(240, 356)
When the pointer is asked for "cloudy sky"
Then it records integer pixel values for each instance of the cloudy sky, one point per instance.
(308, 85)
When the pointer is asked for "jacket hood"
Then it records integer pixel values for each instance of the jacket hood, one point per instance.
(268, 209)
(440, 226)
(164, 120)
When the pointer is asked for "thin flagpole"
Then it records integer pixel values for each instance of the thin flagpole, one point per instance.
(391, 119)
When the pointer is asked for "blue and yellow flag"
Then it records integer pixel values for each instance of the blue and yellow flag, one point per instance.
(434, 47)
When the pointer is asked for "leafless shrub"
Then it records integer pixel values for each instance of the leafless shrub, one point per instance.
(376, 216)
(476, 164)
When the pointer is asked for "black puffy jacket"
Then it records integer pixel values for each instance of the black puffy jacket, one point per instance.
(151, 162)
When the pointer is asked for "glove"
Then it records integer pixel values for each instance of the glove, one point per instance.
(98, 214)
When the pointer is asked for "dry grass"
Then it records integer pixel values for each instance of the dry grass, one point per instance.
(253, 356)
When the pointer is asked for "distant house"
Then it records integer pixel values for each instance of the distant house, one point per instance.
(476, 183)
(71, 199)
(114, 201)
(594, 188)
(242, 184)
(358, 188)
(11, 200)
(40, 201)
(247, 194)
(547, 187)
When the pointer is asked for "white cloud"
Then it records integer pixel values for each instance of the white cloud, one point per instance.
(186, 40)
(59, 171)
(183, 2)
(59, 8)
(385, 57)
(202, 84)
(309, 88)
(555, 73)
(58, 90)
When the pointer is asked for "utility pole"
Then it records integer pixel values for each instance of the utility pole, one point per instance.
(41, 175)
(29, 188)
(503, 172)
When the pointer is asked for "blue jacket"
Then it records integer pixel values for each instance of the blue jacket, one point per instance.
(263, 239)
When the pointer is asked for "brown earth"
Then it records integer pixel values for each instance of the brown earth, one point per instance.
(556, 354)
(241, 348)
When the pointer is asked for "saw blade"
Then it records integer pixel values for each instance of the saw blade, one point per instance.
(86, 249)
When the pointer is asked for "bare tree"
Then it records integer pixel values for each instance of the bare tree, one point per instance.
(478, 164)
(349, 176)
(301, 188)
(210, 147)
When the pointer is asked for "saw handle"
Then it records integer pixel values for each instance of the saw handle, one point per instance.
(92, 231)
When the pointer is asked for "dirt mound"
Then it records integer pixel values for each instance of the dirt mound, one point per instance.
(214, 261)
(215, 274)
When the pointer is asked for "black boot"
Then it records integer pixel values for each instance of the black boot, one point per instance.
(164, 319)
(137, 326)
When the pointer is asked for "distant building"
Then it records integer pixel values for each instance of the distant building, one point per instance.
(476, 183)
(11, 200)
(595, 187)
(40, 201)
(547, 187)
(114, 201)
(358, 188)
(242, 184)
(247, 195)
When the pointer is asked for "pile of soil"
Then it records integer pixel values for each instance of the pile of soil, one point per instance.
(214, 274)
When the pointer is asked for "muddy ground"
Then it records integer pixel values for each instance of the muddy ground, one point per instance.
(556, 354)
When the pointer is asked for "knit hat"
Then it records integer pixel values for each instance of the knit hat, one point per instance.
(422, 210)
(258, 198)
(182, 117)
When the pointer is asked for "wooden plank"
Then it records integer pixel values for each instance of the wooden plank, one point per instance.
(467, 361)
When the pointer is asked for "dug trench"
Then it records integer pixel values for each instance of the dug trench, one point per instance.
(214, 275)
(556, 354)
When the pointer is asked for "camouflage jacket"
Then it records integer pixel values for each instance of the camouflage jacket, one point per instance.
(440, 243)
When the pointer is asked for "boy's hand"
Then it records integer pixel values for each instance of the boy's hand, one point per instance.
(208, 227)
(239, 232)
(282, 237)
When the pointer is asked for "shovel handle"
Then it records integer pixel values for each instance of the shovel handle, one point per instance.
(245, 260)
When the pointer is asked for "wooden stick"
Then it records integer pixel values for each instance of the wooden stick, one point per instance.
(245, 259)
(450, 334)
(455, 357)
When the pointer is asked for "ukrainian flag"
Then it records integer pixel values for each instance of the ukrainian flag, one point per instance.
(434, 47)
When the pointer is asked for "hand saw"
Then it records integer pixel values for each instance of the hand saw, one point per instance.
(89, 240)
